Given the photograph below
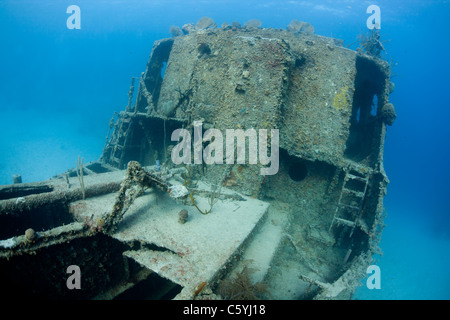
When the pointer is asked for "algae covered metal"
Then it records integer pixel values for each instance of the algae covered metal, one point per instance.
(297, 219)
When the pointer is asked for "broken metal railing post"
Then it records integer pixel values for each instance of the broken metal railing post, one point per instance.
(17, 178)
(111, 126)
(130, 95)
(138, 99)
(79, 170)
(136, 180)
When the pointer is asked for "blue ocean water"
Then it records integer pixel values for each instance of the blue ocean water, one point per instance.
(60, 87)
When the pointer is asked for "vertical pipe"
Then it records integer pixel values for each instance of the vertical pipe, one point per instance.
(130, 95)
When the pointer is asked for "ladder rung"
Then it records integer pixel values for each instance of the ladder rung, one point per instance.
(359, 194)
(351, 176)
(348, 206)
(345, 222)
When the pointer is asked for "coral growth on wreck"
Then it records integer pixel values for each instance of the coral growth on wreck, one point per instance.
(240, 287)
(340, 100)
(372, 44)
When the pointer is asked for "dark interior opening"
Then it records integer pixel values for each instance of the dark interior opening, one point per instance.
(357, 242)
(163, 70)
(155, 72)
(298, 171)
(39, 219)
(152, 288)
(44, 275)
(97, 168)
(104, 273)
(22, 190)
(73, 173)
(148, 142)
(297, 177)
(369, 86)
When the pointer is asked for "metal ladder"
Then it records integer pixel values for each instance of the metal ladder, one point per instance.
(122, 133)
(350, 206)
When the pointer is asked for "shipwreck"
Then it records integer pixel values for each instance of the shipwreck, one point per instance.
(140, 226)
